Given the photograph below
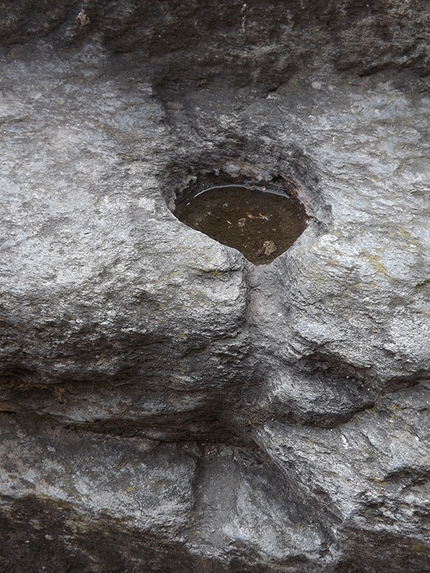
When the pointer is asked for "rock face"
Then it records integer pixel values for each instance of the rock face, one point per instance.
(165, 404)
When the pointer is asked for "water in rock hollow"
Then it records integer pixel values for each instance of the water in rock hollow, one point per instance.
(260, 221)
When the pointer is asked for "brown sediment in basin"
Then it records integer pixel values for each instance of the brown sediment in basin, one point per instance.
(261, 220)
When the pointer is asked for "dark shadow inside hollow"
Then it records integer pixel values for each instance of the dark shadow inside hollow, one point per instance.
(260, 219)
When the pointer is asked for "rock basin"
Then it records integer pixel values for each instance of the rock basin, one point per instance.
(259, 219)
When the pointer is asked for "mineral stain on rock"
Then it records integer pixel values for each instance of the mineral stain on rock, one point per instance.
(260, 220)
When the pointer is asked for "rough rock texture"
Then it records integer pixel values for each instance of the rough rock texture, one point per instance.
(165, 405)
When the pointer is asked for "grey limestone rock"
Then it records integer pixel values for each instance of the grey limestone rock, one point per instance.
(165, 405)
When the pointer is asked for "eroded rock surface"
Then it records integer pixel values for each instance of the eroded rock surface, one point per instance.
(166, 405)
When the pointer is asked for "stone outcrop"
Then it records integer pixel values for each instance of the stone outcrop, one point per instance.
(165, 404)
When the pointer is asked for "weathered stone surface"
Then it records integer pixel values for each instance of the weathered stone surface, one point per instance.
(263, 41)
(166, 405)
(372, 472)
